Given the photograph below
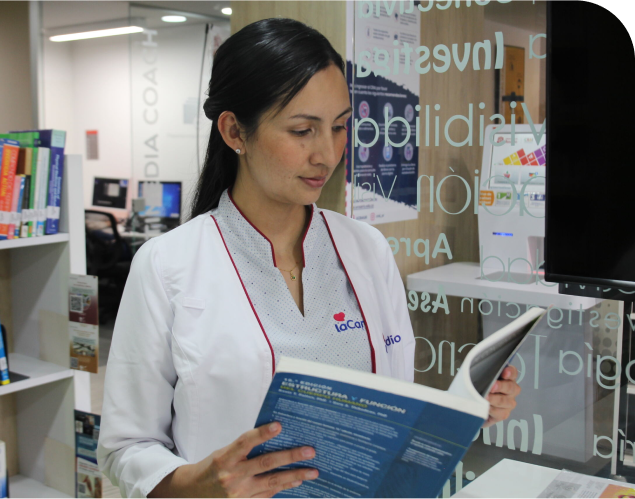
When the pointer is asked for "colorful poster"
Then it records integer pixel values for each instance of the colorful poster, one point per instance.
(83, 322)
(87, 474)
(382, 167)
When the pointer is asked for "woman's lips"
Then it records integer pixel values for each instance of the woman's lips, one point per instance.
(315, 182)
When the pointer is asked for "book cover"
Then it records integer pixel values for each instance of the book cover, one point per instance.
(4, 476)
(376, 436)
(87, 475)
(55, 140)
(9, 161)
(368, 442)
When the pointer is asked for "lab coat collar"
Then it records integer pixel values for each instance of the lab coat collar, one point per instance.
(227, 203)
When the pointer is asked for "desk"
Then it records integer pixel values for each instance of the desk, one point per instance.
(510, 479)
(463, 279)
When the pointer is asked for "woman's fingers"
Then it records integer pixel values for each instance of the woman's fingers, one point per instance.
(510, 372)
(273, 460)
(506, 387)
(238, 450)
(275, 482)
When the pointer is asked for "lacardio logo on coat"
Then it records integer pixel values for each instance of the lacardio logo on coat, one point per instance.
(346, 324)
(350, 324)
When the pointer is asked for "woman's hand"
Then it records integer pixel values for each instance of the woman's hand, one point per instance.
(227, 472)
(502, 397)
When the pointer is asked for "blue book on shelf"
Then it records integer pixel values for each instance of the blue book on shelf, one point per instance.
(4, 366)
(55, 140)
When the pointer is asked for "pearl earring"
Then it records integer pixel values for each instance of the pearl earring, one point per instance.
(237, 151)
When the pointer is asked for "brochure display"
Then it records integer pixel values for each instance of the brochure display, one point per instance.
(88, 476)
(376, 436)
(83, 322)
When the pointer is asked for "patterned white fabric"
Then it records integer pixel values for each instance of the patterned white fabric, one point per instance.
(332, 330)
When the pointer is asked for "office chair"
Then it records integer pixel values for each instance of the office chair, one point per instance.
(108, 257)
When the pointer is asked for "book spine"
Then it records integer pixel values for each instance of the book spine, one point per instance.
(33, 197)
(17, 181)
(7, 179)
(56, 140)
(4, 366)
(43, 174)
(4, 475)
(24, 215)
(18, 211)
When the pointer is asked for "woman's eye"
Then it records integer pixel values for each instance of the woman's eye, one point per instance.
(300, 132)
(339, 128)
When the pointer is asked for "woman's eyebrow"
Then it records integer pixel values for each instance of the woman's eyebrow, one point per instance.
(317, 118)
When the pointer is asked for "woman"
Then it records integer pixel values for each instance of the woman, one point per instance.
(258, 272)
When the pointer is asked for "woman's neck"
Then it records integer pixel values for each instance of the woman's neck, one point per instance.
(283, 224)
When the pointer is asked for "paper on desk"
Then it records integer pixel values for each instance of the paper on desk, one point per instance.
(569, 484)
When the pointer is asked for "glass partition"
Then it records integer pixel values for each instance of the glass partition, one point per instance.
(457, 186)
(170, 65)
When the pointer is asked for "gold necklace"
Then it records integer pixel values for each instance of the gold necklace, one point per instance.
(293, 277)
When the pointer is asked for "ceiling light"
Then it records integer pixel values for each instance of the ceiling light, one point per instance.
(227, 11)
(96, 34)
(96, 29)
(174, 19)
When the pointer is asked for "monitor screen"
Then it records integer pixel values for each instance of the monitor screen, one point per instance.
(162, 199)
(110, 192)
(590, 67)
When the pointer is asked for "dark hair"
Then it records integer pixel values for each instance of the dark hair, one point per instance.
(264, 64)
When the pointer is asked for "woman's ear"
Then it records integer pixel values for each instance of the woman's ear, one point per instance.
(230, 130)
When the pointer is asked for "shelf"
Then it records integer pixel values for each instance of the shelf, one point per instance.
(38, 371)
(33, 241)
(21, 486)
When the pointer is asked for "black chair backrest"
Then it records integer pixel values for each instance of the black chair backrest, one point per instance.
(104, 245)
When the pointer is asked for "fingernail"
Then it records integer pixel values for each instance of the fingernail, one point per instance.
(495, 387)
(273, 427)
(297, 483)
(311, 474)
(307, 452)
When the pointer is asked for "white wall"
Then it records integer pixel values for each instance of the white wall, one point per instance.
(87, 87)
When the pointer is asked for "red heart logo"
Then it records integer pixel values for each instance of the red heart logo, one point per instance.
(339, 317)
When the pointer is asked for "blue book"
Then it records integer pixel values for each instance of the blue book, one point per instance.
(4, 366)
(376, 436)
(55, 140)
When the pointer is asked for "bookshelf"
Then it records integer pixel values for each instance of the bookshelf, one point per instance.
(37, 413)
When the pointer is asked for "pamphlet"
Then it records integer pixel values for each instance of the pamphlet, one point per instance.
(569, 484)
(83, 325)
(87, 474)
(377, 436)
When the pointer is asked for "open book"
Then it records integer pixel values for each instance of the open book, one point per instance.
(376, 436)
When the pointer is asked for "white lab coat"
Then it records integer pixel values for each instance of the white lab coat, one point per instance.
(189, 364)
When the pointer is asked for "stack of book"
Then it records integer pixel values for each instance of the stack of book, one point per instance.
(31, 171)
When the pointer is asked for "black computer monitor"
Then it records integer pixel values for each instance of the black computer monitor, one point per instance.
(162, 200)
(110, 192)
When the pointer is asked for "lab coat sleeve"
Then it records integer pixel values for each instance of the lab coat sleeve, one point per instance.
(134, 448)
(399, 303)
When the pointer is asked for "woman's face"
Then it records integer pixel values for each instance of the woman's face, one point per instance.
(293, 154)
